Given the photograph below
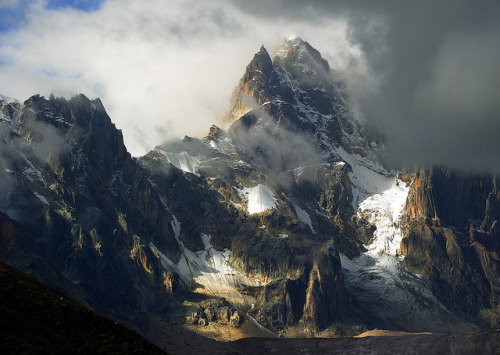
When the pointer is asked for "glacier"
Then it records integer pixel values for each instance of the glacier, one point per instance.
(376, 277)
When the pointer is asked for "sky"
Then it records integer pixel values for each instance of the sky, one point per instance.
(424, 73)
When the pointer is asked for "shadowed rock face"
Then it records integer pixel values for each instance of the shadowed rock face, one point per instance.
(84, 198)
(451, 238)
(325, 293)
(14, 235)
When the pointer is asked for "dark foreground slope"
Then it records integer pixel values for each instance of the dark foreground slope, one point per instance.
(35, 319)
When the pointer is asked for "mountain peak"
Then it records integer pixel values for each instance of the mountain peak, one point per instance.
(297, 51)
(9, 100)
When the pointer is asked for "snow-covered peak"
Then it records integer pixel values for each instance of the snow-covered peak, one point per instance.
(9, 100)
(294, 42)
(297, 51)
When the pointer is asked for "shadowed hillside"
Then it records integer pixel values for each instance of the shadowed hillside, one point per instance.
(37, 319)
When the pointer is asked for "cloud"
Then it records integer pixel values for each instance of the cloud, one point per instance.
(424, 73)
(427, 76)
(432, 80)
(162, 69)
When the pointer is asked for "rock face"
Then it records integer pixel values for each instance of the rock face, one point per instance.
(451, 238)
(214, 310)
(14, 235)
(287, 218)
(326, 284)
(71, 180)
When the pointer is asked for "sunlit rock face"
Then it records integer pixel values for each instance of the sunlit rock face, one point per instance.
(451, 238)
(286, 220)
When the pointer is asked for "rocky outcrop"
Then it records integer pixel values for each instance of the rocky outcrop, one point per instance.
(14, 235)
(90, 206)
(313, 298)
(325, 295)
(450, 238)
(213, 311)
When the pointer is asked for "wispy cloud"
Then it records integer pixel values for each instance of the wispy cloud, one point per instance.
(424, 73)
(162, 69)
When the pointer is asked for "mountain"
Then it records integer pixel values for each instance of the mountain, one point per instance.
(285, 221)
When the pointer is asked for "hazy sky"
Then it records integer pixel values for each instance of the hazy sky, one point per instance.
(426, 73)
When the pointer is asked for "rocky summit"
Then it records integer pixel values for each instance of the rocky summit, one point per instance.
(284, 222)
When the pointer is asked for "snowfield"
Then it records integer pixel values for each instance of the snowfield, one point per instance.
(377, 277)
(260, 198)
(208, 271)
(181, 160)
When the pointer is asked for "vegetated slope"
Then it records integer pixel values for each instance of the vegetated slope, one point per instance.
(37, 319)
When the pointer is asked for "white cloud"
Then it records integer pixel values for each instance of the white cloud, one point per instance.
(162, 69)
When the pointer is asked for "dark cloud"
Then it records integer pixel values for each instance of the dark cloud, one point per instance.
(432, 80)
(425, 73)
(436, 91)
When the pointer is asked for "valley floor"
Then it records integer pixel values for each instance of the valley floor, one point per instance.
(442, 344)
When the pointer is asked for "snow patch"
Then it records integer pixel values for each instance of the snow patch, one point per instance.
(33, 173)
(379, 197)
(384, 210)
(260, 198)
(216, 145)
(303, 216)
(181, 160)
(42, 198)
(208, 271)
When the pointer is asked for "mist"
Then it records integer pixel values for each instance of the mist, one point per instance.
(425, 74)
(162, 69)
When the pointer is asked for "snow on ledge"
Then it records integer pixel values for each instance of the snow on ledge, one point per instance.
(42, 198)
(181, 160)
(260, 198)
(304, 217)
(208, 271)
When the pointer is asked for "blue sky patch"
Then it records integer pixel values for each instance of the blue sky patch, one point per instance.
(13, 15)
(83, 5)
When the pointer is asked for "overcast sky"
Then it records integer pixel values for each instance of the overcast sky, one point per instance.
(426, 73)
